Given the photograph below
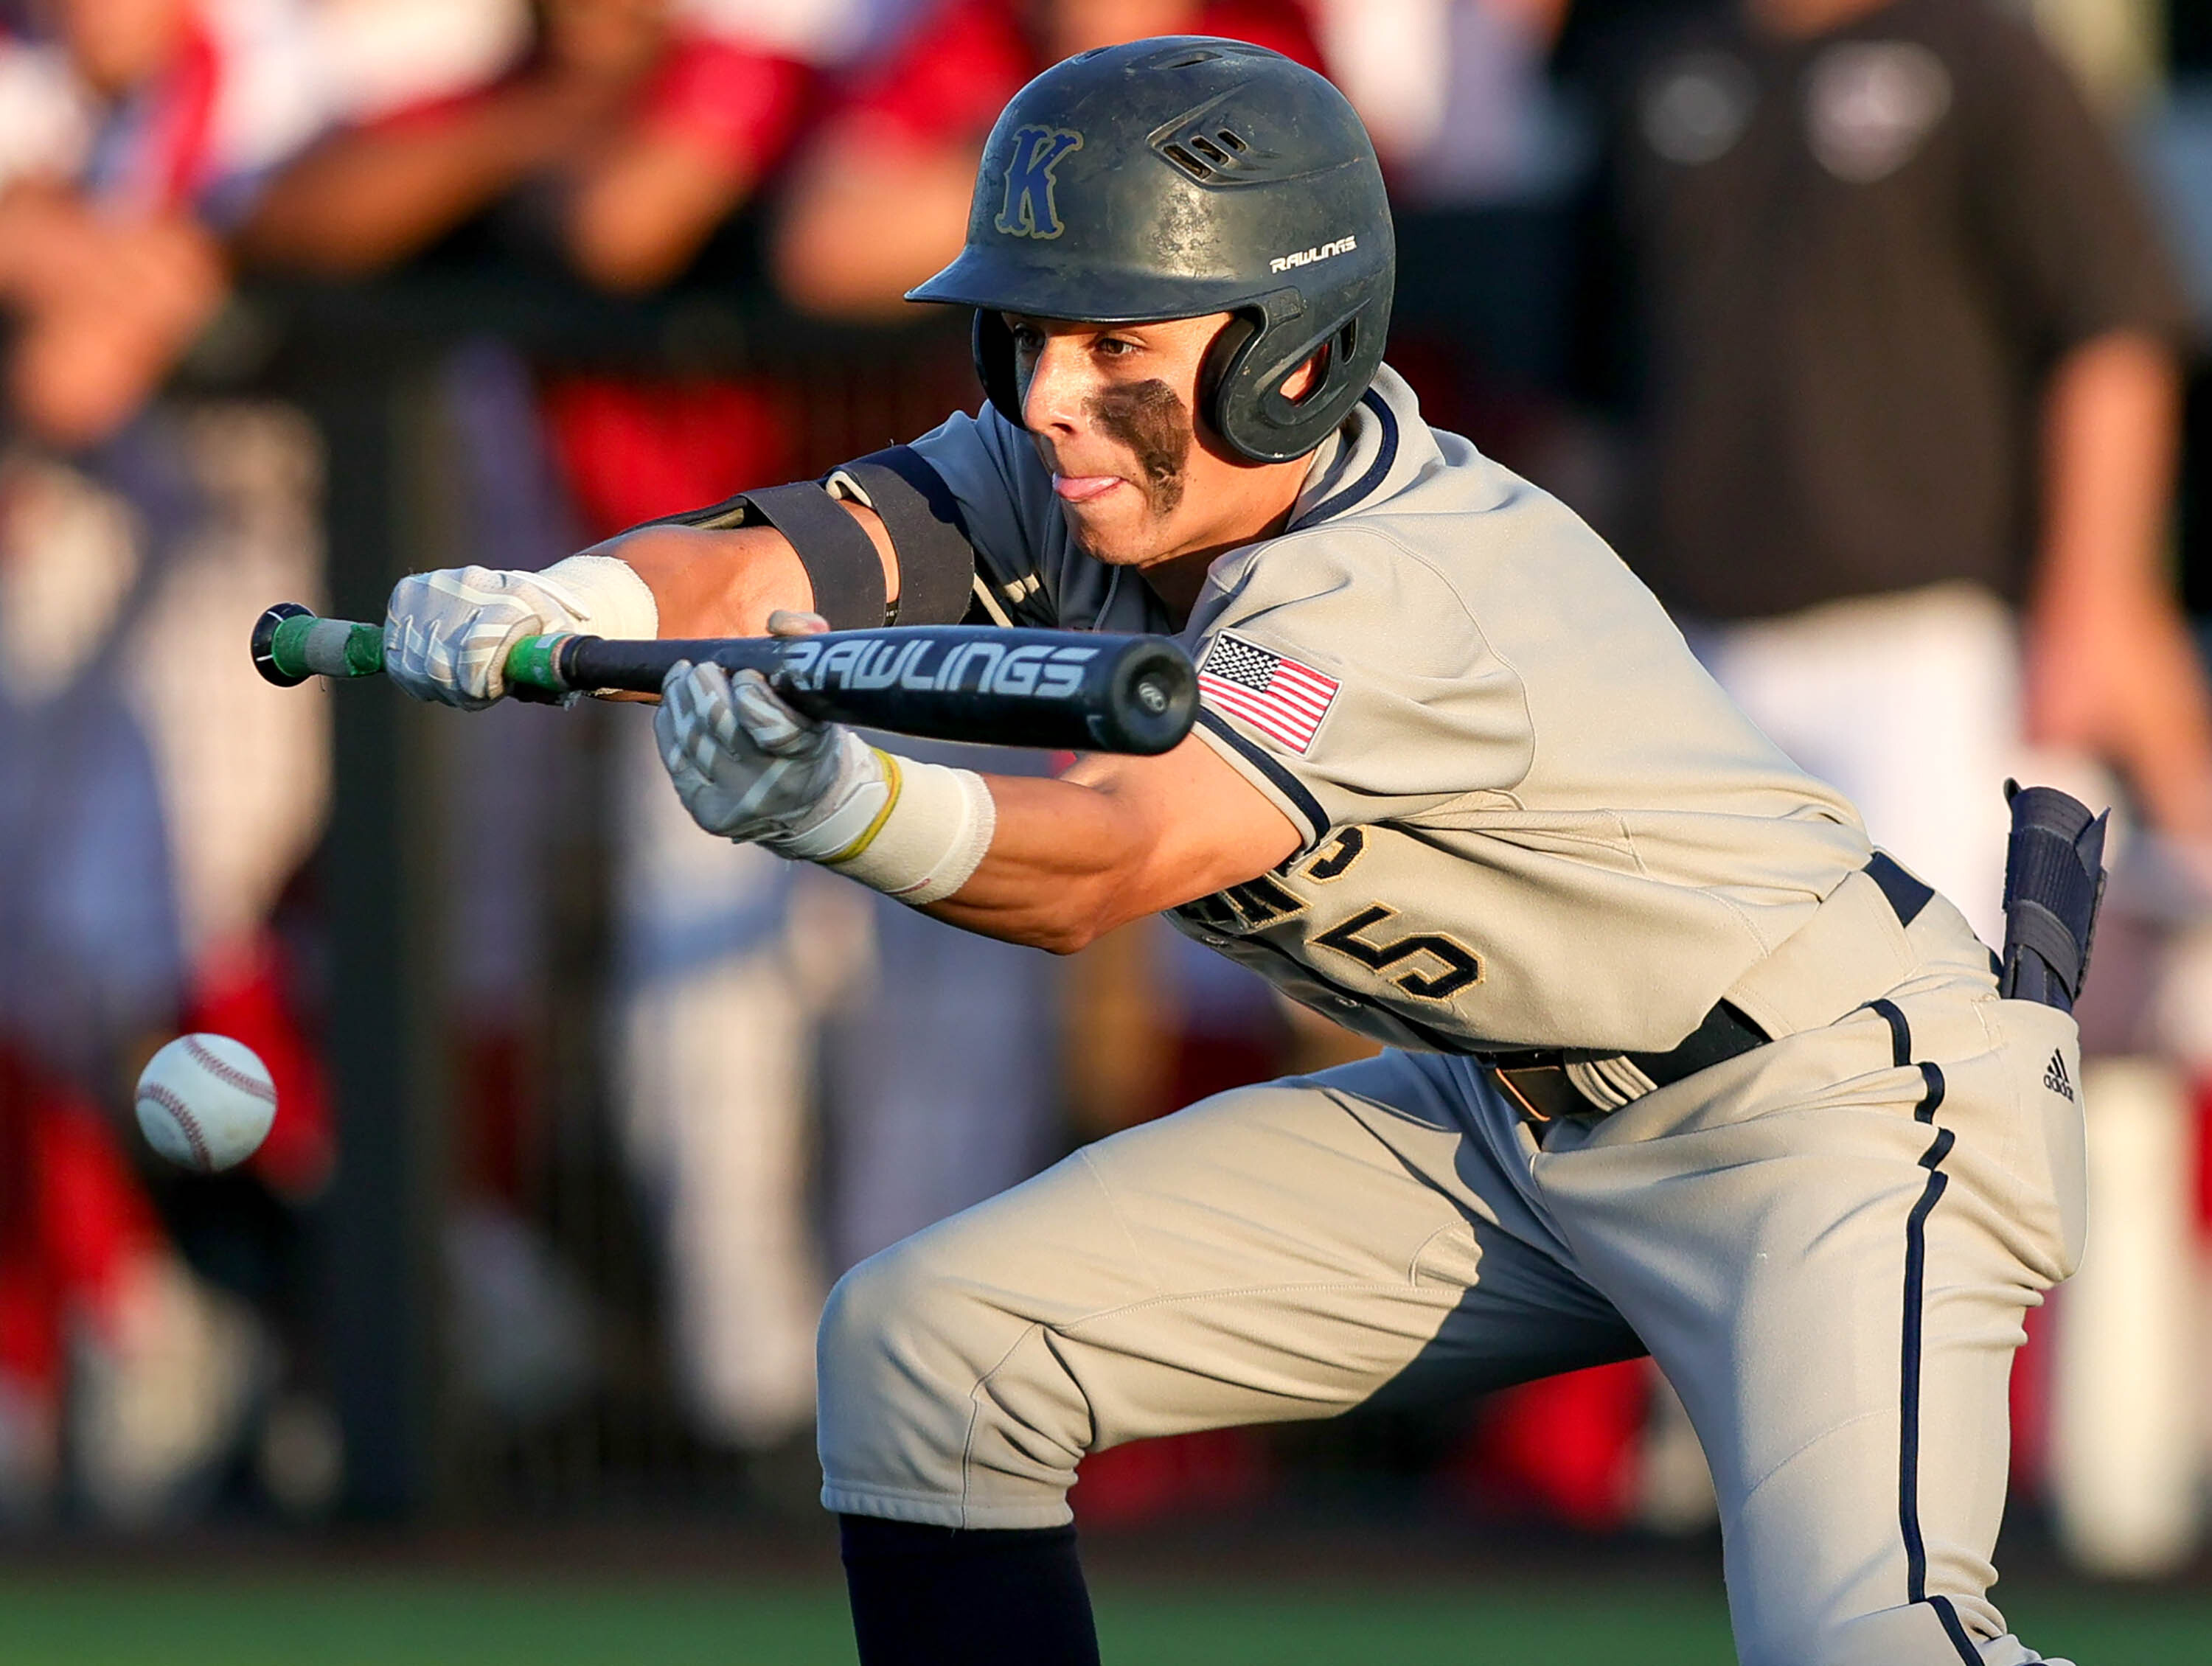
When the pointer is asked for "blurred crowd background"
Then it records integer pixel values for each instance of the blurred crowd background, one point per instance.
(1871, 333)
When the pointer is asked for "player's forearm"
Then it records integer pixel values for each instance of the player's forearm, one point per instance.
(726, 583)
(1057, 875)
(1112, 841)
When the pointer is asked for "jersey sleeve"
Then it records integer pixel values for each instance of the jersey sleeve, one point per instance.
(2077, 248)
(1006, 501)
(1346, 680)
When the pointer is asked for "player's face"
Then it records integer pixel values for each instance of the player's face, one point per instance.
(1139, 479)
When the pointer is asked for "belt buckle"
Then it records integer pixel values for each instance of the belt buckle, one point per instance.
(1530, 1110)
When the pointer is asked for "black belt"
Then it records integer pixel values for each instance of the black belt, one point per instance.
(1537, 1081)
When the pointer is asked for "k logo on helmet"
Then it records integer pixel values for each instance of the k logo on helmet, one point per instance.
(1029, 209)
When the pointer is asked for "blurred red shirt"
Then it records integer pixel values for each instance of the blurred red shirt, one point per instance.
(948, 81)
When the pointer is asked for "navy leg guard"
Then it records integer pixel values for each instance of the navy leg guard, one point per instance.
(2054, 879)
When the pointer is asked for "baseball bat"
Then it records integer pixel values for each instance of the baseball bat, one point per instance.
(1075, 690)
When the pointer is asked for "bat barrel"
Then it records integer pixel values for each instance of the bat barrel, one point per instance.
(1081, 692)
(1070, 692)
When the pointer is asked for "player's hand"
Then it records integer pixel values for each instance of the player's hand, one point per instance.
(446, 634)
(750, 767)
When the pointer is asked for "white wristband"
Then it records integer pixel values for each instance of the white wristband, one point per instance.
(605, 594)
(932, 836)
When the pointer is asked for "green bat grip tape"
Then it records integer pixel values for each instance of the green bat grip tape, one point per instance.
(533, 666)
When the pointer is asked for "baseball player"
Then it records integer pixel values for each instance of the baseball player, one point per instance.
(1677, 1062)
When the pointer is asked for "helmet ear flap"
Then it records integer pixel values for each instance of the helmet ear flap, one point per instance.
(1224, 358)
(993, 346)
(1248, 405)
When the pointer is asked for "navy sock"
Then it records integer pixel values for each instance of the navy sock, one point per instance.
(942, 1597)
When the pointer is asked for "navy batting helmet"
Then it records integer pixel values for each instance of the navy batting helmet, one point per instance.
(1175, 178)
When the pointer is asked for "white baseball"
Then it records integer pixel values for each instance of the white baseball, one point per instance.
(205, 1102)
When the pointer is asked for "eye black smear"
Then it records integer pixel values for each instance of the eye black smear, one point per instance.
(1151, 421)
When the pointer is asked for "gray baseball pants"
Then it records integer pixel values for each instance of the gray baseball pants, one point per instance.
(1827, 1244)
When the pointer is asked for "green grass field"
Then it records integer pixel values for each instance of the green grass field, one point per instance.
(75, 1619)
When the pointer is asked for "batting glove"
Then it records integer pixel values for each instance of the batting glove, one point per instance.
(446, 634)
(750, 767)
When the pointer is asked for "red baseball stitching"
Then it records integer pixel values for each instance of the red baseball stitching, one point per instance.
(185, 1121)
(222, 1072)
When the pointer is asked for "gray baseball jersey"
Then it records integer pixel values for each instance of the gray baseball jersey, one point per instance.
(1530, 819)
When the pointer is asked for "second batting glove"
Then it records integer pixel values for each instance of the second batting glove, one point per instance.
(750, 767)
(446, 634)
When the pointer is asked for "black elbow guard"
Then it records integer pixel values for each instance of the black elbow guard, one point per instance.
(2054, 879)
(936, 563)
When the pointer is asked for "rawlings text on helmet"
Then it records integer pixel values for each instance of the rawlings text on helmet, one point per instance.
(1030, 210)
(1343, 245)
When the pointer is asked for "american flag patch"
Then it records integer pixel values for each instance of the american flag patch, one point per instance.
(1280, 698)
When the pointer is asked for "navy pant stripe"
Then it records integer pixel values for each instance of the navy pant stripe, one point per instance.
(1909, 1371)
(1931, 1096)
(1900, 1035)
(1956, 1629)
(1908, 1432)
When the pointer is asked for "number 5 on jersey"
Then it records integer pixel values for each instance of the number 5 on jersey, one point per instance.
(1461, 967)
